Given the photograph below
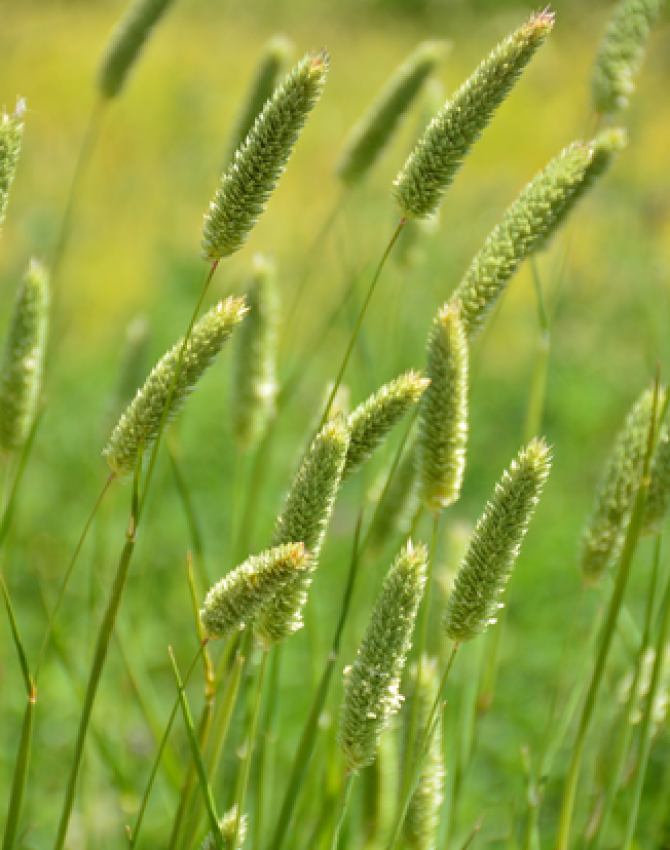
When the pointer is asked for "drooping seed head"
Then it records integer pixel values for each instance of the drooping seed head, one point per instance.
(658, 494)
(372, 683)
(495, 545)
(431, 167)
(11, 136)
(258, 164)
(140, 424)
(374, 130)
(235, 600)
(621, 54)
(23, 358)
(603, 537)
(227, 826)
(443, 413)
(125, 44)
(372, 421)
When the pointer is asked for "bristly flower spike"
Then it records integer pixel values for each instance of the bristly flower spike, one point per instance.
(126, 42)
(23, 358)
(374, 130)
(431, 167)
(228, 826)
(658, 494)
(234, 601)
(11, 136)
(140, 423)
(254, 387)
(621, 54)
(372, 684)
(443, 413)
(257, 166)
(305, 518)
(603, 537)
(372, 421)
(495, 545)
(530, 222)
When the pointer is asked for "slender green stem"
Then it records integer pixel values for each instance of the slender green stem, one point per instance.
(538, 386)
(20, 774)
(258, 472)
(268, 723)
(16, 637)
(190, 515)
(342, 808)
(10, 505)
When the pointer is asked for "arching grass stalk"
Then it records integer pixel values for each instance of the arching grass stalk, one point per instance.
(625, 562)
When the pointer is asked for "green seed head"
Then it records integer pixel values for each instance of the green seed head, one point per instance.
(23, 358)
(257, 166)
(443, 413)
(431, 167)
(603, 537)
(372, 684)
(227, 827)
(373, 420)
(621, 54)
(376, 127)
(140, 423)
(11, 136)
(235, 600)
(495, 545)
(658, 495)
(125, 44)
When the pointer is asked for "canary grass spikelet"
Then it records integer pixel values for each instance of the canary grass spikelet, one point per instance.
(270, 67)
(372, 683)
(227, 825)
(603, 537)
(443, 413)
(495, 545)
(235, 600)
(305, 518)
(423, 813)
(254, 386)
(23, 358)
(140, 424)
(621, 54)
(125, 43)
(374, 130)
(431, 167)
(250, 179)
(658, 495)
(529, 222)
(372, 421)
(11, 137)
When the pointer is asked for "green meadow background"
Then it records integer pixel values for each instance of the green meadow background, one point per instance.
(135, 251)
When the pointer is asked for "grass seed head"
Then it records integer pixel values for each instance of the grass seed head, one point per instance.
(658, 495)
(227, 826)
(11, 136)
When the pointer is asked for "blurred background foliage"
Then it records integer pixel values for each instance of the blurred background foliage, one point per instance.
(135, 251)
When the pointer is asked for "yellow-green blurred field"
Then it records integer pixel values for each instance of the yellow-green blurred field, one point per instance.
(135, 250)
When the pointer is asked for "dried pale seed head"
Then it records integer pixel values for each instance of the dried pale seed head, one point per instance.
(269, 70)
(372, 421)
(604, 535)
(658, 495)
(23, 358)
(11, 136)
(126, 42)
(399, 503)
(305, 518)
(621, 54)
(258, 164)
(443, 413)
(372, 684)
(423, 814)
(227, 827)
(495, 545)
(234, 601)
(530, 222)
(374, 130)
(431, 167)
(254, 385)
(140, 423)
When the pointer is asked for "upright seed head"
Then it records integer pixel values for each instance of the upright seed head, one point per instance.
(443, 413)
(11, 136)
(604, 535)
(658, 495)
(125, 44)
(372, 684)
(621, 54)
(257, 166)
(431, 167)
(495, 545)
(305, 518)
(254, 358)
(227, 826)
(140, 423)
(372, 421)
(530, 221)
(374, 130)
(23, 358)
